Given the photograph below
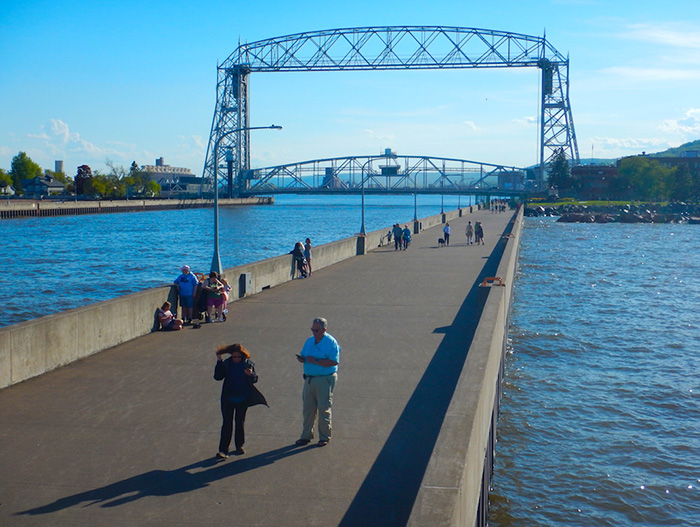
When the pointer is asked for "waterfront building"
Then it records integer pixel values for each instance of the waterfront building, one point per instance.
(42, 186)
(173, 181)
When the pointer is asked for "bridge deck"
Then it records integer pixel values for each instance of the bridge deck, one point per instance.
(127, 436)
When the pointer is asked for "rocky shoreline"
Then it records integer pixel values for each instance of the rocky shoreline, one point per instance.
(630, 213)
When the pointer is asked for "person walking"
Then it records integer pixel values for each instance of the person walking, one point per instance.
(320, 356)
(406, 237)
(186, 285)
(469, 231)
(398, 237)
(478, 233)
(237, 395)
(447, 230)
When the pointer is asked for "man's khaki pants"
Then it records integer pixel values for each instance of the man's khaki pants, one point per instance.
(317, 395)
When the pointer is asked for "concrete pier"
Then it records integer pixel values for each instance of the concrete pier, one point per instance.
(127, 436)
(29, 208)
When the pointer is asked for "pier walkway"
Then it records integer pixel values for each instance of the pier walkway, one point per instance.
(128, 436)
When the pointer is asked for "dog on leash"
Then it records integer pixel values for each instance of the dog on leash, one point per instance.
(441, 242)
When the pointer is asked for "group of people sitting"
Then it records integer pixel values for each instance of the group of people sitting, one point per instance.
(198, 299)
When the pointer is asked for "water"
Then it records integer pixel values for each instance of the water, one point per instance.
(600, 420)
(56, 263)
(600, 415)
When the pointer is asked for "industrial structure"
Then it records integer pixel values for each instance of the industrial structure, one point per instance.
(384, 48)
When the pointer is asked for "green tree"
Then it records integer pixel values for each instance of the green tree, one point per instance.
(23, 168)
(646, 178)
(559, 170)
(5, 180)
(682, 184)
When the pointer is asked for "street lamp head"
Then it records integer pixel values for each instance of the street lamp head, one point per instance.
(275, 127)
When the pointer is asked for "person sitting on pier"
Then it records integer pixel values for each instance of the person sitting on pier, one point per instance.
(167, 320)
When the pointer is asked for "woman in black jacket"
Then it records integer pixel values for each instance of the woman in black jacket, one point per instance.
(237, 394)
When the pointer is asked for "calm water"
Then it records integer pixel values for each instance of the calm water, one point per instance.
(600, 421)
(52, 264)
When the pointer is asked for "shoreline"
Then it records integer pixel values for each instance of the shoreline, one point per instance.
(12, 209)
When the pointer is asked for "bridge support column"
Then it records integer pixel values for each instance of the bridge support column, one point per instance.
(361, 246)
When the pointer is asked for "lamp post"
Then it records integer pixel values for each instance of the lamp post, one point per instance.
(362, 185)
(216, 260)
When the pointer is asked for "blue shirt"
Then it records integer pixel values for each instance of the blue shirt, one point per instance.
(328, 348)
(187, 284)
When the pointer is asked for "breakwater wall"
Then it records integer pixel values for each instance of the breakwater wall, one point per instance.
(38, 346)
(454, 491)
(10, 209)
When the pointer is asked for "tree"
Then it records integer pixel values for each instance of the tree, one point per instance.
(23, 168)
(646, 179)
(5, 180)
(682, 184)
(560, 171)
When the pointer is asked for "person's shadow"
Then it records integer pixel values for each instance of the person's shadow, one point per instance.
(165, 482)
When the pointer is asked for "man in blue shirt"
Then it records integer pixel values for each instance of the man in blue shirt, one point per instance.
(186, 285)
(320, 356)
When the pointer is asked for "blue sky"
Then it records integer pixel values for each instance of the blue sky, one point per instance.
(132, 81)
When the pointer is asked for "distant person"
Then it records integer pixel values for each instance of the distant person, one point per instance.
(406, 237)
(388, 236)
(167, 320)
(237, 395)
(398, 237)
(226, 294)
(469, 231)
(320, 356)
(479, 233)
(307, 254)
(214, 289)
(186, 285)
(447, 230)
(298, 261)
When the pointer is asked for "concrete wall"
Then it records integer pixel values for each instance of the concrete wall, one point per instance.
(452, 486)
(37, 346)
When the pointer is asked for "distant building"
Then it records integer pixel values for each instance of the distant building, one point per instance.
(594, 181)
(40, 187)
(173, 181)
(691, 159)
(58, 166)
(514, 180)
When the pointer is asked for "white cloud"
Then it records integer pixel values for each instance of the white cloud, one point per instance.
(652, 74)
(618, 144)
(471, 124)
(381, 137)
(689, 125)
(672, 34)
(526, 120)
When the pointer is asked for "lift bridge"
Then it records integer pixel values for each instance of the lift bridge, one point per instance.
(380, 48)
(383, 174)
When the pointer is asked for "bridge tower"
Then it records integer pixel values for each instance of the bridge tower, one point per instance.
(386, 48)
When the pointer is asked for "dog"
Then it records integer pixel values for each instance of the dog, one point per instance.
(441, 242)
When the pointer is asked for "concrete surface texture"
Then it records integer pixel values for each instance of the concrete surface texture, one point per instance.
(128, 436)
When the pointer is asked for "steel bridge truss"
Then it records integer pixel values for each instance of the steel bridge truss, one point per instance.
(387, 173)
(386, 48)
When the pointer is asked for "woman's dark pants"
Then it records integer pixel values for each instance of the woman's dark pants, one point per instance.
(228, 410)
